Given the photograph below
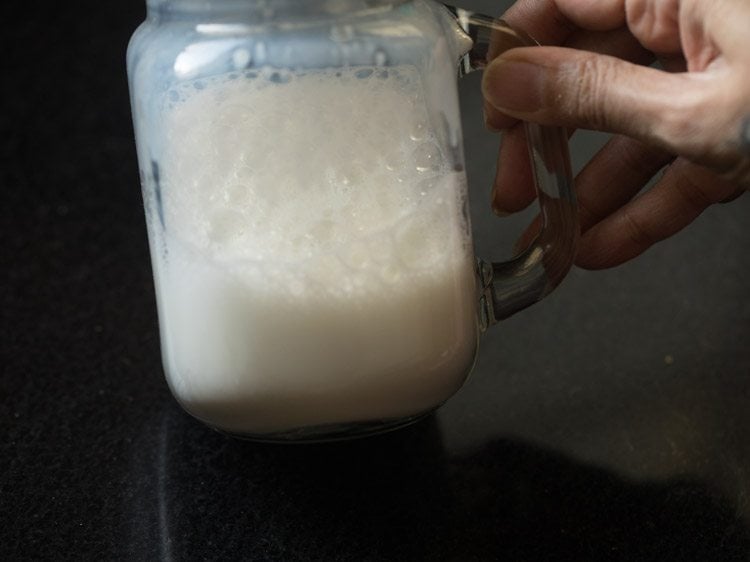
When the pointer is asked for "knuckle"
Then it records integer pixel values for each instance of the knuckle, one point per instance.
(675, 126)
(637, 232)
(635, 155)
(694, 192)
(739, 175)
(560, 19)
(589, 103)
(587, 216)
(701, 124)
(737, 167)
(688, 124)
(654, 24)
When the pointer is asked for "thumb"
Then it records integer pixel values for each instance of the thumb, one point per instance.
(580, 89)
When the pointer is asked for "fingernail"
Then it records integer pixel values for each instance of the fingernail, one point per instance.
(498, 212)
(514, 86)
(496, 208)
(488, 123)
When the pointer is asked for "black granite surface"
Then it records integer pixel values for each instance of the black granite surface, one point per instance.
(610, 422)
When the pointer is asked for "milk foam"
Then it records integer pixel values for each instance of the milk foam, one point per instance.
(314, 265)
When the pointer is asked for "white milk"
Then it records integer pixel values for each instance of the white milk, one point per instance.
(315, 265)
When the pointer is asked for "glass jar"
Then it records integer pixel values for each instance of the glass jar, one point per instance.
(303, 179)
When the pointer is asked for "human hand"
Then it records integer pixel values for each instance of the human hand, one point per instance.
(694, 114)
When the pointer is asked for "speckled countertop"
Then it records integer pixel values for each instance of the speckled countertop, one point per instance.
(611, 422)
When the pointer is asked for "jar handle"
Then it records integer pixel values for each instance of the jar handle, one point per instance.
(508, 287)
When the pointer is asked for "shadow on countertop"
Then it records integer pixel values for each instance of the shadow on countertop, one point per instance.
(400, 496)
(98, 463)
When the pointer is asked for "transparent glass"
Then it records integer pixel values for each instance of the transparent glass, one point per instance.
(303, 181)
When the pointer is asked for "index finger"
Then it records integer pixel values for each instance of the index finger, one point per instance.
(550, 22)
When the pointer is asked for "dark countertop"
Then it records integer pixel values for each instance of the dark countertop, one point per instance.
(610, 422)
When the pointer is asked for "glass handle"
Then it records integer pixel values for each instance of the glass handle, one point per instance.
(508, 287)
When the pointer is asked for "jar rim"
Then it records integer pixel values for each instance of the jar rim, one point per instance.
(270, 8)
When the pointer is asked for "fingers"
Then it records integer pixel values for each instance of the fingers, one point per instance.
(550, 22)
(565, 87)
(618, 43)
(554, 22)
(698, 29)
(514, 184)
(613, 176)
(597, 15)
(594, 84)
(656, 24)
(682, 194)
(495, 120)
(721, 22)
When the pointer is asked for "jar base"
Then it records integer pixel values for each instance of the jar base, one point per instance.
(330, 432)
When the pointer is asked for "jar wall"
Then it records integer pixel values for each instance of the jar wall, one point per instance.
(305, 199)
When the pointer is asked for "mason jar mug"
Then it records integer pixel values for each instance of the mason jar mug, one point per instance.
(303, 179)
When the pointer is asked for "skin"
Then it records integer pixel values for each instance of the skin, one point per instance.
(688, 119)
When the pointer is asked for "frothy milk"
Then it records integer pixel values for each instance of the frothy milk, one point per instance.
(312, 259)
